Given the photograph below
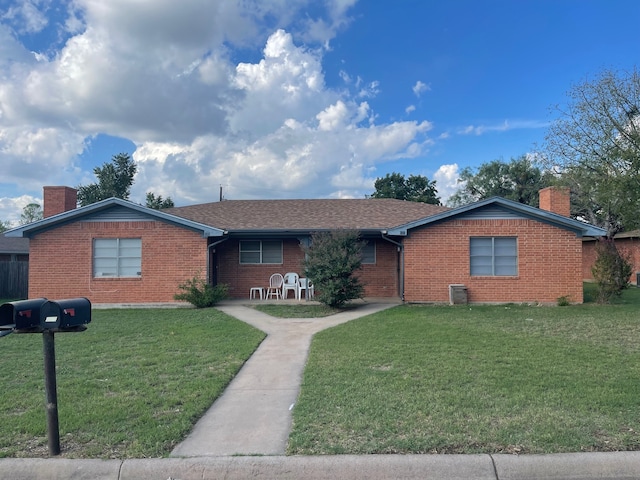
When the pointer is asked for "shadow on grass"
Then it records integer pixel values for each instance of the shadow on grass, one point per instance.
(630, 296)
(303, 311)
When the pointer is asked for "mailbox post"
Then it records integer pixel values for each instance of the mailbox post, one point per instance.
(51, 392)
(47, 317)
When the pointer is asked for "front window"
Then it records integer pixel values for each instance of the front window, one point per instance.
(117, 257)
(494, 256)
(261, 251)
(369, 252)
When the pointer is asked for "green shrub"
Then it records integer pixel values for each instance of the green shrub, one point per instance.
(611, 271)
(331, 262)
(200, 293)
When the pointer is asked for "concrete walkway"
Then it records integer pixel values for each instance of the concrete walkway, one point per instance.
(253, 415)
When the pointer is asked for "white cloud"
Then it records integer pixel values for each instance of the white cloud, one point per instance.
(333, 117)
(287, 83)
(370, 90)
(291, 137)
(346, 78)
(12, 54)
(505, 126)
(410, 108)
(446, 178)
(300, 159)
(419, 88)
(164, 75)
(26, 16)
(323, 30)
(11, 208)
(39, 155)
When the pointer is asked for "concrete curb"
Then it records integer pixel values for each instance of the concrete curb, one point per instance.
(576, 466)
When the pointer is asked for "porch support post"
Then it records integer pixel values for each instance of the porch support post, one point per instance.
(401, 251)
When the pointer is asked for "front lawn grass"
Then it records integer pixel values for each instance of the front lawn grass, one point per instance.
(131, 386)
(474, 379)
(298, 311)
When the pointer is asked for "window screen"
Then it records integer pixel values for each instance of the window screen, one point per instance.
(117, 257)
(261, 251)
(494, 256)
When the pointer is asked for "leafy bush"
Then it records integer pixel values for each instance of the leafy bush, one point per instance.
(611, 271)
(200, 293)
(331, 262)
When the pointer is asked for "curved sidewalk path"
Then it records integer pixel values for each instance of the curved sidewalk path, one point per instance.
(253, 415)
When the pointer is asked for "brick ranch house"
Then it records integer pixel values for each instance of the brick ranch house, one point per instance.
(115, 251)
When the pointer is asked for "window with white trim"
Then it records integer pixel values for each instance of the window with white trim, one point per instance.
(260, 251)
(117, 257)
(494, 256)
(369, 252)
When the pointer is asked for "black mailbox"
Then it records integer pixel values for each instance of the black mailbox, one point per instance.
(21, 315)
(71, 314)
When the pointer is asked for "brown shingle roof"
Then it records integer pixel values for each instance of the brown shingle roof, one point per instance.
(306, 215)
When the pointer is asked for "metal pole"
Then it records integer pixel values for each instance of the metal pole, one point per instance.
(51, 404)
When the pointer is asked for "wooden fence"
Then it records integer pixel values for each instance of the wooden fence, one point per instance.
(14, 280)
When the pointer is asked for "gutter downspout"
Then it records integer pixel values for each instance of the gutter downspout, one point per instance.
(401, 250)
(209, 279)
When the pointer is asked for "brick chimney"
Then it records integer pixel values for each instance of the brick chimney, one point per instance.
(58, 200)
(556, 200)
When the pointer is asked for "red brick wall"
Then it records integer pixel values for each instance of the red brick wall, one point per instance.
(240, 278)
(549, 263)
(61, 262)
(380, 280)
(630, 247)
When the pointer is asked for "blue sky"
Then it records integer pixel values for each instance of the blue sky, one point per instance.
(287, 98)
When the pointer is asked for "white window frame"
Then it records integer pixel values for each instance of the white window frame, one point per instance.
(258, 252)
(117, 257)
(493, 256)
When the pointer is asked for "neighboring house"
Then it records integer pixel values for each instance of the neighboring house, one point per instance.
(627, 243)
(14, 249)
(14, 267)
(115, 251)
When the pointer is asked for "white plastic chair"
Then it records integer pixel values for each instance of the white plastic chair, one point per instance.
(275, 286)
(306, 285)
(290, 283)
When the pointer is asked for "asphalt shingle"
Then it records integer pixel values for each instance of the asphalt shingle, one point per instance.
(307, 214)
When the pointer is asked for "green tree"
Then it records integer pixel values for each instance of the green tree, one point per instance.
(415, 188)
(4, 226)
(331, 263)
(158, 203)
(594, 147)
(519, 180)
(31, 213)
(114, 180)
